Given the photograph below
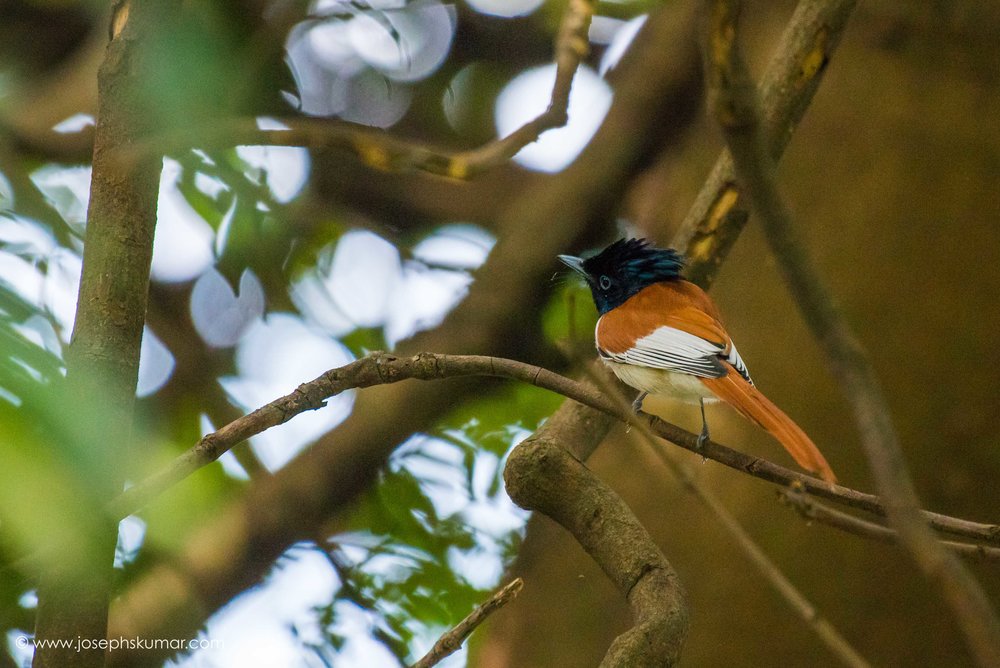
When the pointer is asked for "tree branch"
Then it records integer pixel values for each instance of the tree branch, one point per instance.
(733, 100)
(770, 571)
(810, 509)
(767, 470)
(379, 149)
(383, 368)
(374, 369)
(451, 641)
(542, 475)
(103, 359)
(787, 87)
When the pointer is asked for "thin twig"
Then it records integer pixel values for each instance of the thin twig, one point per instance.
(374, 369)
(811, 509)
(377, 148)
(796, 600)
(768, 470)
(380, 368)
(733, 99)
(571, 47)
(787, 86)
(449, 643)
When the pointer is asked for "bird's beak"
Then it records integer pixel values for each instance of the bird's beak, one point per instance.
(574, 263)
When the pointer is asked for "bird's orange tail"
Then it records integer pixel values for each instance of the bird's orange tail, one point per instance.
(753, 405)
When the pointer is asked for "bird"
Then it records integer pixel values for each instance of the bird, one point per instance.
(663, 335)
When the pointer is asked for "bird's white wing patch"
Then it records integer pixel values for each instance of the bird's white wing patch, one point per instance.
(675, 350)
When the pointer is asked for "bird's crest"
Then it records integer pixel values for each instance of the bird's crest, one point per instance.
(636, 261)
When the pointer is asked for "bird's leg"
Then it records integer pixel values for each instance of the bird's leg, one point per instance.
(637, 404)
(704, 426)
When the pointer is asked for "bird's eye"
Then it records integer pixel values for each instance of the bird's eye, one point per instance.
(604, 282)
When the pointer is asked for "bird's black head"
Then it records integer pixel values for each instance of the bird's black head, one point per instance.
(623, 269)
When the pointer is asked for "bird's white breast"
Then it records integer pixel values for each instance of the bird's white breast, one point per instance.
(661, 382)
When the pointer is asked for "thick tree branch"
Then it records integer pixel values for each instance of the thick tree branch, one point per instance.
(451, 641)
(541, 474)
(103, 358)
(772, 574)
(787, 87)
(770, 571)
(734, 101)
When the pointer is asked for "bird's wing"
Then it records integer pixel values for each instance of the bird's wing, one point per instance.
(688, 340)
(673, 349)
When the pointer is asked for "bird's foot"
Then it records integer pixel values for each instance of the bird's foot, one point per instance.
(637, 404)
(702, 437)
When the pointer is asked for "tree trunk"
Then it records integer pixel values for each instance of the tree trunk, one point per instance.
(103, 357)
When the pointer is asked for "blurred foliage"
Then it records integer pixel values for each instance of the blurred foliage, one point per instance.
(26, 362)
(364, 340)
(570, 316)
(27, 370)
(400, 559)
